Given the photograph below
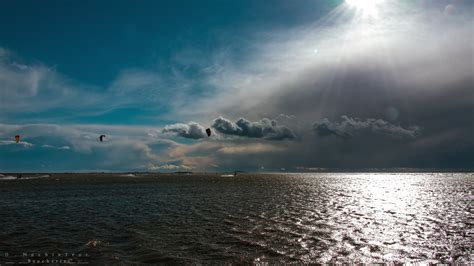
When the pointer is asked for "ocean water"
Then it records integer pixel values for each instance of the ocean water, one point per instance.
(249, 218)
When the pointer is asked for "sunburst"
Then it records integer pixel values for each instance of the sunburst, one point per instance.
(368, 8)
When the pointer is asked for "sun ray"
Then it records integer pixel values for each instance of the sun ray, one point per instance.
(368, 8)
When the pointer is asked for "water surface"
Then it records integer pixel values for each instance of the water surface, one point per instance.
(248, 218)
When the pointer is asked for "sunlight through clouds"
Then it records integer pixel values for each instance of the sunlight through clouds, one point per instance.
(378, 60)
(367, 8)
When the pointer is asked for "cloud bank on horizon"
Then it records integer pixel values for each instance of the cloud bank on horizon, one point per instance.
(349, 126)
(340, 87)
(191, 130)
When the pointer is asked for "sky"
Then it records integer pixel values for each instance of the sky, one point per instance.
(283, 85)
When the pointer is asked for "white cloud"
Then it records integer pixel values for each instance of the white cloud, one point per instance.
(12, 142)
(407, 49)
(190, 130)
(169, 167)
(55, 147)
(130, 144)
(29, 88)
(264, 128)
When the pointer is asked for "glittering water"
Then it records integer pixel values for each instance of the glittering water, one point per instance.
(248, 218)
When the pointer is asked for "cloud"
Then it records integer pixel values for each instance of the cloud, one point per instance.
(265, 128)
(255, 148)
(55, 147)
(169, 166)
(12, 142)
(225, 154)
(134, 85)
(348, 127)
(415, 60)
(47, 142)
(35, 89)
(191, 130)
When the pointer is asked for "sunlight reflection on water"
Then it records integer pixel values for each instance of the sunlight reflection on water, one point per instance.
(249, 218)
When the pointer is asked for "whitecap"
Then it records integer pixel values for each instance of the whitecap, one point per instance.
(35, 177)
(8, 177)
(129, 175)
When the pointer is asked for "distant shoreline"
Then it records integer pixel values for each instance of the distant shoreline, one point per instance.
(241, 172)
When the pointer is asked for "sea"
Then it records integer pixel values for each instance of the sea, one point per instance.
(274, 218)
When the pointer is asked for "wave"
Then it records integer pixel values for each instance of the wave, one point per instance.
(8, 177)
(20, 177)
(128, 175)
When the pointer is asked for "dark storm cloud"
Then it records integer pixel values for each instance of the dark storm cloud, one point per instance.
(190, 130)
(349, 126)
(265, 128)
(418, 65)
(225, 126)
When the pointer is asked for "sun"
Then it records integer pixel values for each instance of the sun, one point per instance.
(368, 8)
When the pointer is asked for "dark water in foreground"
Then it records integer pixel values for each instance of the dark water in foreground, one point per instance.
(244, 219)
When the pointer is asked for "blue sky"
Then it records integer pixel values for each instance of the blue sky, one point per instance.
(94, 44)
(94, 41)
(283, 84)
